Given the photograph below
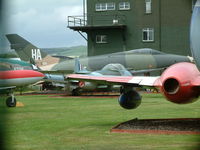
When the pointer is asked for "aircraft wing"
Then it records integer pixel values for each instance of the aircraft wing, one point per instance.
(55, 72)
(9, 87)
(118, 80)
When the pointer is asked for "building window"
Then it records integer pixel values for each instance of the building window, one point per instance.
(148, 6)
(148, 35)
(101, 7)
(101, 39)
(105, 6)
(124, 5)
(110, 6)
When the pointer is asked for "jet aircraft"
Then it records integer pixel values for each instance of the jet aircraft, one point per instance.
(111, 69)
(15, 73)
(144, 59)
(179, 83)
(139, 59)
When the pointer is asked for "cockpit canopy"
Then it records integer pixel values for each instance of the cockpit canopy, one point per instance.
(113, 67)
(147, 51)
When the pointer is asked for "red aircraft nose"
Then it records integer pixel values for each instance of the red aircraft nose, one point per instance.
(14, 74)
(32, 73)
(19, 77)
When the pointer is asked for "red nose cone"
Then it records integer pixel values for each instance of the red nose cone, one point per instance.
(13, 74)
(32, 73)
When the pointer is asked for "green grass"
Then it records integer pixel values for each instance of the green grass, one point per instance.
(49, 123)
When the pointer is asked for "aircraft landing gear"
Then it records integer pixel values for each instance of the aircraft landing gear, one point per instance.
(75, 92)
(11, 101)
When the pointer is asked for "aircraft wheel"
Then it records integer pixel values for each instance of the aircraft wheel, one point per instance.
(75, 92)
(11, 101)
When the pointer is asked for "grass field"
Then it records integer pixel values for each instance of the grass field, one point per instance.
(50, 123)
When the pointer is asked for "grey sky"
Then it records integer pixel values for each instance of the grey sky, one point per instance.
(44, 22)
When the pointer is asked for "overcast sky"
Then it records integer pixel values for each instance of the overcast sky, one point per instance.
(43, 22)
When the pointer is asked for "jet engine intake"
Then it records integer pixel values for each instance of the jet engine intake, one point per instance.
(171, 86)
(177, 83)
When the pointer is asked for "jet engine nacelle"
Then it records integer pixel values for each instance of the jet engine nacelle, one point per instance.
(54, 78)
(177, 83)
(130, 99)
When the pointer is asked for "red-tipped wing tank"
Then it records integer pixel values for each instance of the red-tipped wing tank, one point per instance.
(178, 83)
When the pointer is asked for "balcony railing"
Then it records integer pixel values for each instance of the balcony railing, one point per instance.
(76, 21)
(96, 20)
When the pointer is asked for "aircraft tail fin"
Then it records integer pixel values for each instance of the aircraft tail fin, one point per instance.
(15, 40)
(78, 69)
(26, 50)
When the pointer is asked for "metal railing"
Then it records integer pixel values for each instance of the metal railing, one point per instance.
(76, 21)
(96, 20)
